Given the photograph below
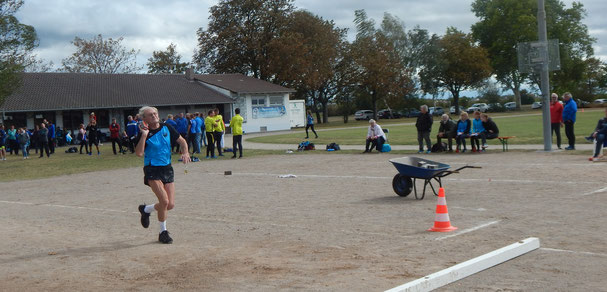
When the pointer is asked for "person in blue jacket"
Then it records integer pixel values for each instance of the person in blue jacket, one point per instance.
(310, 124)
(51, 136)
(131, 131)
(463, 131)
(171, 121)
(569, 112)
(154, 145)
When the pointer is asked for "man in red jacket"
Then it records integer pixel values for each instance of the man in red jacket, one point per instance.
(115, 136)
(556, 117)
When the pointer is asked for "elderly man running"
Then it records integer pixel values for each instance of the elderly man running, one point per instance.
(154, 145)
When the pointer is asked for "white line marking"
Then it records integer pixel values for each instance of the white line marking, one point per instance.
(468, 230)
(209, 219)
(573, 251)
(470, 267)
(594, 192)
(391, 177)
(467, 208)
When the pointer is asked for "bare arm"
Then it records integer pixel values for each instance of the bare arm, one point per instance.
(183, 145)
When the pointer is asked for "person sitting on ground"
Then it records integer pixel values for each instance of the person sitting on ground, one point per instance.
(446, 130)
(491, 130)
(477, 132)
(599, 134)
(375, 137)
(424, 127)
(463, 131)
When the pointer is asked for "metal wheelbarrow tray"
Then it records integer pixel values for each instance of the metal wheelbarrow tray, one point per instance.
(412, 168)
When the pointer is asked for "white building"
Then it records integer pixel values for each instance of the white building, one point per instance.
(66, 99)
(264, 106)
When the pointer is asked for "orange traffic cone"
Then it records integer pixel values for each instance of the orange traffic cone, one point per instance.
(441, 221)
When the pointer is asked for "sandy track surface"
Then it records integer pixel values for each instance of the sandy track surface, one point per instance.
(338, 226)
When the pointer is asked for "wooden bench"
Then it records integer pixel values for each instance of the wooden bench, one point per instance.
(504, 141)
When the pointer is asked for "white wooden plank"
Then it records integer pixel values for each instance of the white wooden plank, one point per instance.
(467, 268)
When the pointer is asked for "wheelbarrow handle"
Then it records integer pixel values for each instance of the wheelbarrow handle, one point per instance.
(467, 166)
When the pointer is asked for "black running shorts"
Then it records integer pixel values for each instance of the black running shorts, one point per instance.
(161, 173)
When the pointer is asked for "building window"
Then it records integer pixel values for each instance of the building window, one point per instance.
(258, 101)
(276, 100)
(72, 119)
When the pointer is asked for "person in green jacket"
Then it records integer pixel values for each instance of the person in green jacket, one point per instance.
(236, 126)
(208, 126)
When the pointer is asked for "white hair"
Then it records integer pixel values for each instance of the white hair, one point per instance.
(567, 94)
(554, 95)
(371, 121)
(424, 107)
(146, 108)
(445, 116)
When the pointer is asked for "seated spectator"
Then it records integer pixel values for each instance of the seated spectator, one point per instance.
(463, 131)
(447, 130)
(491, 130)
(375, 137)
(599, 135)
(477, 131)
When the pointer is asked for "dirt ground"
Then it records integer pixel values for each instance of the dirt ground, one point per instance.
(338, 226)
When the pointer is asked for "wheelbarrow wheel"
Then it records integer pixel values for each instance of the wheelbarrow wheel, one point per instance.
(402, 185)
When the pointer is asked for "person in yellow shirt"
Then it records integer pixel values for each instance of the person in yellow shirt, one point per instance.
(236, 126)
(208, 127)
(218, 127)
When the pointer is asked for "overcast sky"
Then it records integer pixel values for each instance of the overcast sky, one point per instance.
(150, 25)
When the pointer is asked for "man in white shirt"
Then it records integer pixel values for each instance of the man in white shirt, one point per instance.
(375, 137)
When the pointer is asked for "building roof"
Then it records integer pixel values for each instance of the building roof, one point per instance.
(238, 83)
(64, 91)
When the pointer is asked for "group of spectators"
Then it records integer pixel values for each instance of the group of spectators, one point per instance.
(478, 130)
(199, 131)
(207, 132)
(14, 140)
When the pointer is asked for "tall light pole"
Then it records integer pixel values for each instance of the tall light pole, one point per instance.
(545, 82)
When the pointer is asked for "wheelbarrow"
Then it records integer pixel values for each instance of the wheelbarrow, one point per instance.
(410, 169)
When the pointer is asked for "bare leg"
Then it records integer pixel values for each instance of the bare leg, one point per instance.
(170, 191)
(163, 199)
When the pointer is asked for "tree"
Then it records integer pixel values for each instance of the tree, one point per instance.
(307, 56)
(379, 71)
(461, 64)
(17, 40)
(238, 34)
(505, 23)
(168, 61)
(101, 56)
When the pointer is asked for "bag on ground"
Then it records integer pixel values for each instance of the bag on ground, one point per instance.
(386, 147)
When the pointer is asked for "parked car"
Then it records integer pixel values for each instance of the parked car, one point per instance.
(411, 113)
(482, 107)
(363, 115)
(600, 101)
(536, 105)
(388, 114)
(452, 109)
(510, 105)
(436, 111)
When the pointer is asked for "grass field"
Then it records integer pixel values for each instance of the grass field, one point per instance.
(527, 129)
(61, 163)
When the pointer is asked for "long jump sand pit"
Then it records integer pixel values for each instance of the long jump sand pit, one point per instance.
(337, 226)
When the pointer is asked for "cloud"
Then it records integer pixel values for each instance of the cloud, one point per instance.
(149, 25)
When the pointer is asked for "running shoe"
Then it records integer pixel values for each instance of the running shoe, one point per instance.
(145, 217)
(165, 238)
